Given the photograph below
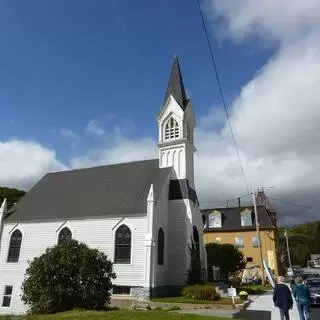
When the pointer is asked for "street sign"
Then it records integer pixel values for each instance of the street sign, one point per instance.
(232, 292)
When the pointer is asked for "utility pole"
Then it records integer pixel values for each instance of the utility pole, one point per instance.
(288, 250)
(258, 235)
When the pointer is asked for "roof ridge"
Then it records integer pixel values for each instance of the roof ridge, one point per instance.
(101, 166)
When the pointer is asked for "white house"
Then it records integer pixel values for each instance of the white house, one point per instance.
(144, 215)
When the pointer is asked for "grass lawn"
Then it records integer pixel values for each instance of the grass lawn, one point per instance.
(114, 315)
(255, 288)
(183, 299)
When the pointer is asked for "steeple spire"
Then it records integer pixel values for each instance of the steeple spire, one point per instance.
(175, 85)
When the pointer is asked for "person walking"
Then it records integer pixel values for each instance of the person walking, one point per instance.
(282, 298)
(301, 294)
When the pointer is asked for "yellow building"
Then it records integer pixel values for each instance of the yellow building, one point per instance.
(237, 226)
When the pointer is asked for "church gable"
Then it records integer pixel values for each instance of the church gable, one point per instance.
(112, 190)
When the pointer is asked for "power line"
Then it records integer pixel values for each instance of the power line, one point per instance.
(222, 95)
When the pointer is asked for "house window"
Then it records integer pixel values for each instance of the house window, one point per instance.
(7, 296)
(255, 242)
(246, 218)
(160, 247)
(64, 235)
(249, 259)
(121, 290)
(14, 246)
(123, 245)
(215, 219)
(239, 242)
(171, 129)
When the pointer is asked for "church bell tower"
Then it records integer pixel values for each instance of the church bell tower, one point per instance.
(176, 129)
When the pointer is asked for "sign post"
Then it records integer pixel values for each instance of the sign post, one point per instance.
(232, 292)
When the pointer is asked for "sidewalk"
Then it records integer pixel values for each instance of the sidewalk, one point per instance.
(265, 305)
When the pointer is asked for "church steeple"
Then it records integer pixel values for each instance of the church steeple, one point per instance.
(175, 85)
(176, 128)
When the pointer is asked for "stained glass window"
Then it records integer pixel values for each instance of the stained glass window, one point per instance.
(64, 235)
(160, 247)
(14, 246)
(123, 245)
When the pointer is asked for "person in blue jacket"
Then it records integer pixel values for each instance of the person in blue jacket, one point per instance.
(282, 298)
(301, 294)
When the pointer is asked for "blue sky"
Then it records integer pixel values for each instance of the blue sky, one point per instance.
(64, 63)
(81, 84)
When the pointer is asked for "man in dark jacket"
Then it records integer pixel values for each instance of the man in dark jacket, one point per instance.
(282, 298)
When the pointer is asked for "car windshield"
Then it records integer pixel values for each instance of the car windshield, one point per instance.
(314, 283)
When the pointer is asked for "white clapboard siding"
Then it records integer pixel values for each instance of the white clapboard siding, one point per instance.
(96, 233)
(160, 220)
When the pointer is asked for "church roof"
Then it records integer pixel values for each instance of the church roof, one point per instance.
(175, 85)
(113, 190)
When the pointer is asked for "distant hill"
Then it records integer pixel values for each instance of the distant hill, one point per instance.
(304, 239)
(12, 195)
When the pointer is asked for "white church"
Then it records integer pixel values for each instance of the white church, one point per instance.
(143, 215)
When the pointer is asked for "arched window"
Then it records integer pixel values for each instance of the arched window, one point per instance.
(123, 245)
(64, 235)
(14, 246)
(196, 238)
(160, 247)
(171, 129)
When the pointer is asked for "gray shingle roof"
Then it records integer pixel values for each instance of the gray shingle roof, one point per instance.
(112, 190)
(231, 219)
(175, 85)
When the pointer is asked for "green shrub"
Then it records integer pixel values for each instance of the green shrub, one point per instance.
(201, 292)
(68, 276)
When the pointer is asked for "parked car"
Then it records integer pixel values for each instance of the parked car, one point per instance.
(307, 276)
(314, 288)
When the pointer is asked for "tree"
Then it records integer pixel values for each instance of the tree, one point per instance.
(69, 275)
(229, 258)
(12, 195)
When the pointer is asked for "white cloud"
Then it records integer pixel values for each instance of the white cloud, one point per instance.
(23, 162)
(71, 137)
(121, 150)
(94, 128)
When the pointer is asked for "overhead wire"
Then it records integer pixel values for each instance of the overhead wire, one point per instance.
(222, 96)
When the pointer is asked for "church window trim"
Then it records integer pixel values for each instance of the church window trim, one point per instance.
(14, 250)
(161, 247)
(123, 245)
(64, 235)
(171, 129)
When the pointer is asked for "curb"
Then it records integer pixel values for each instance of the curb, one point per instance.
(188, 306)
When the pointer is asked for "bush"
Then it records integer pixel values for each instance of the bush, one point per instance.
(68, 276)
(201, 292)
